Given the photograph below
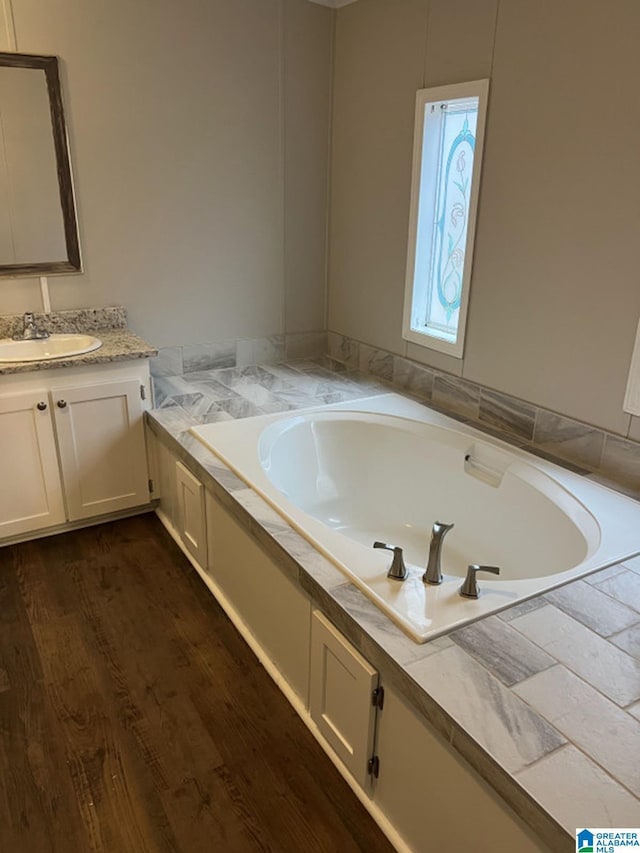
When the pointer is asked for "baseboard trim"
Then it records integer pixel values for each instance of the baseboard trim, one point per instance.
(68, 526)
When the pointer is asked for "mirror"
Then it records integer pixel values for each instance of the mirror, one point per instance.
(38, 228)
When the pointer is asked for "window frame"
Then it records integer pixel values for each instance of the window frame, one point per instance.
(416, 291)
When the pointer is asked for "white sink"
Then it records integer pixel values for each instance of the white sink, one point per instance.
(55, 346)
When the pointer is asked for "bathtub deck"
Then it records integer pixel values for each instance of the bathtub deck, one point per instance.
(543, 700)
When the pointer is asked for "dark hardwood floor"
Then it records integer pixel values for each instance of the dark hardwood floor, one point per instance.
(134, 718)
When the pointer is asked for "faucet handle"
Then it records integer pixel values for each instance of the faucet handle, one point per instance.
(398, 570)
(470, 588)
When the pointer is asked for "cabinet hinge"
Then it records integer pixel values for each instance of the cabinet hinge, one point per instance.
(143, 392)
(150, 487)
(373, 766)
(377, 698)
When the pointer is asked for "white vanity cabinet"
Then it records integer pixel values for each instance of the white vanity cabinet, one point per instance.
(72, 445)
(30, 483)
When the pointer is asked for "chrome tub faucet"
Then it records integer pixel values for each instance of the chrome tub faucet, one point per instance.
(433, 573)
(470, 588)
(398, 570)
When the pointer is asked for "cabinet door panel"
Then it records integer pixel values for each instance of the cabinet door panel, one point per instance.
(191, 518)
(275, 609)
(30, 488)
(102, 449)
(342, 683)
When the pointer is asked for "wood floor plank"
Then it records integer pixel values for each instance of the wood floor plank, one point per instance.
(133, 717)
(210, 814)
(38, 808)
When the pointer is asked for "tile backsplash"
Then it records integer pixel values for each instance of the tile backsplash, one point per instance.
(611, 459)
(238, 352)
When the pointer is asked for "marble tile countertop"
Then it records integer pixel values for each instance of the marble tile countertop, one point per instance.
(542, 699)
(107, 324)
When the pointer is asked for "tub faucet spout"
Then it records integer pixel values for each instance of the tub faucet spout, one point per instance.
(433, 573)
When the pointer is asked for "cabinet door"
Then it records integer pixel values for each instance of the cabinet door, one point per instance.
(191, 518)
(102, 449)
(30, 488)
(342, 685)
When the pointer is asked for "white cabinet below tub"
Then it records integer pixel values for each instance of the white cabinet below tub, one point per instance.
(72, 446)
(190, 514)
(343, 698)
(274, 609)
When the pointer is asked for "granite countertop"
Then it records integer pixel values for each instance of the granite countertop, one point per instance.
(542, 699)
(107, 324)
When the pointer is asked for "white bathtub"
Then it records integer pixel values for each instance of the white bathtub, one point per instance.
(387, 468)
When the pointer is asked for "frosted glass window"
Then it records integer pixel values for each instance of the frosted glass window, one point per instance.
(446, 172)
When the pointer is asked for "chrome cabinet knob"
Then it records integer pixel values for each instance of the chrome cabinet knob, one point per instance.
(62, 404)
(41, 407)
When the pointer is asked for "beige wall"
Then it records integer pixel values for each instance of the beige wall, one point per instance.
(555, 295)
(191, 127)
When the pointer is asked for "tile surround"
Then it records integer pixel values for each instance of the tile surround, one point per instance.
(593, 608)
(208, 356)
(634, 710)
(568, 439)
(502, 650)
(593, 658)
(614, 460)
(238, 352)
(456, 395)
(486, 709)
(483, 687)
(628, 640)
(624, 587)
(581, 788)
(633, 564)
(584, 715)
(507, 414)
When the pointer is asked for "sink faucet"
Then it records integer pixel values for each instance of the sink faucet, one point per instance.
(433, 573)
(30, 331)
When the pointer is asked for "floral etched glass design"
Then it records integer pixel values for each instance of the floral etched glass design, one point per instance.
(456, 132)
(448, 142)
